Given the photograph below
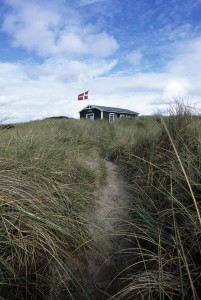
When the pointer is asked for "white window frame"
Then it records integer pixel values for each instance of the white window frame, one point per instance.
(90, 115)
(111, 114)
(122, 116)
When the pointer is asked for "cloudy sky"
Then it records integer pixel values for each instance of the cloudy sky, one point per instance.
(135, 54)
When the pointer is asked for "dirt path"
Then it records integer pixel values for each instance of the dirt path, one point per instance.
(109, 220)
(112, 202)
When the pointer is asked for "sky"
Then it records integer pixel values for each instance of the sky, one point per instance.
(134, 54)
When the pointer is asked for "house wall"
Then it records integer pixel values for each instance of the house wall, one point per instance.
(97, 113)
(126, 115)
(106, 115)
(116, 115)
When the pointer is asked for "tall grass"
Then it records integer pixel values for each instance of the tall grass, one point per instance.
(164, 174)
(48, 182)
(45, 192)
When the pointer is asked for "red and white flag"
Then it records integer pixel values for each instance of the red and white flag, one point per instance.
(83, 96)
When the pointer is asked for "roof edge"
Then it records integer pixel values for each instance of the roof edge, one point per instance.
(112, 111)
(91, 106)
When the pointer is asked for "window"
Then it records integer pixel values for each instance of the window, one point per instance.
(90, 117)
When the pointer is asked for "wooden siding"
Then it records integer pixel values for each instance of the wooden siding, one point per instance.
(106, 115)
(96, 112)
(116, 115)
(126, 115)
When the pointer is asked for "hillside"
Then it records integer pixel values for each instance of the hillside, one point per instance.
(92, 210)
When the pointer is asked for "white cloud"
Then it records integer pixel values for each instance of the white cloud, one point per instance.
(187, 64)
(187, 58)
(176, 88)
(102, 44)
(89, 2)
(78, 57)
(31, 91)
(32, 26)
(134, 57)
(71, 42)
(49, 30)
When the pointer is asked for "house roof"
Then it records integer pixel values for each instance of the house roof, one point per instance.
(111, 109)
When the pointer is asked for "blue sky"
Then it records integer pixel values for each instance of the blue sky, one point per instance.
(135, 54)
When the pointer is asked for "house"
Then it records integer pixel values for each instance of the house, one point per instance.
(96, 112)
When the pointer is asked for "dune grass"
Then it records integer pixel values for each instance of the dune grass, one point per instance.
(47, 189)
(164, 175)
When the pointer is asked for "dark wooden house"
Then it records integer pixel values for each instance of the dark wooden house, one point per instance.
(96, 112)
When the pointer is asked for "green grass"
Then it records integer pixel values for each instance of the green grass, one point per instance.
(47, 185)
(46, 191)
(164, 175)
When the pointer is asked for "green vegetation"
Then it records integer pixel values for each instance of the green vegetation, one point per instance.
(48, 191)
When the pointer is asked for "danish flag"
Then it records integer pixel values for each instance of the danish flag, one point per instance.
(83, 96)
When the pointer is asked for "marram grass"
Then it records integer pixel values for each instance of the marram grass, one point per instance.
(164, 175)
(47, 189)
(45, 192)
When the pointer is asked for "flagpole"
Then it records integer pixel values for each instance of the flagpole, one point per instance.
(86, 97)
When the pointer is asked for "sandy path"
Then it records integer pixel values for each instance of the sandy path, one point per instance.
(109, 220)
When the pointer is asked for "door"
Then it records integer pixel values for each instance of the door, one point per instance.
(111, 117)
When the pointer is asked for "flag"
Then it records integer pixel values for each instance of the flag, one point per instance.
(83, 96)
